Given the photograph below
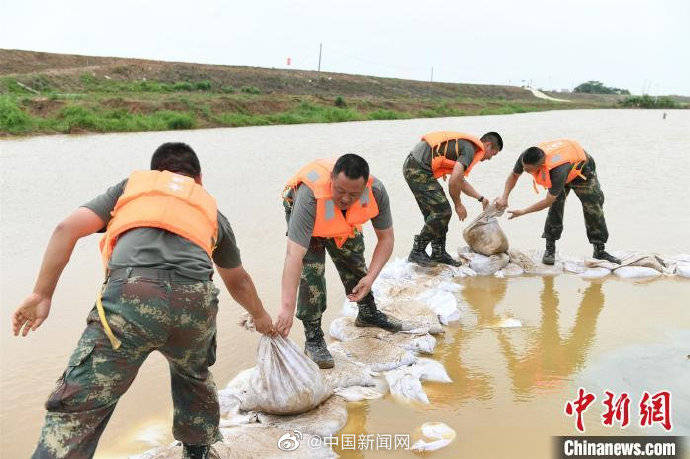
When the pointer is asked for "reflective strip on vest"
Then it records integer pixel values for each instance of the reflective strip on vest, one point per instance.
(364, 199)
(330, 210)
(312, 176)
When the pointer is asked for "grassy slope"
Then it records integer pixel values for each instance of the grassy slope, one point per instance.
(69, 93)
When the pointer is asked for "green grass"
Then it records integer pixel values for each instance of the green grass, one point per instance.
(12, 118)
(156, 105)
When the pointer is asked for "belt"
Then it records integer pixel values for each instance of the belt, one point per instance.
(126, 273)
(152, 273)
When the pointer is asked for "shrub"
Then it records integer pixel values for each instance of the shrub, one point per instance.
(340, 102)
(251, 90)
(183, 86)
(12, 118)
(203, 85)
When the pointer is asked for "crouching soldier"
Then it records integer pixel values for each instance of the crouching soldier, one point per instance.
(560, 166)
(326, 205)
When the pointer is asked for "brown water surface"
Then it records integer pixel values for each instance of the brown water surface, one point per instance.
(509, 384)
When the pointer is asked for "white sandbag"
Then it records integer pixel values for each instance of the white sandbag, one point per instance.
(636, 272)
(521, 259)
(595, 273)
(430, 370)
(574, 266)
(510, 270)
(359, 393)
(438, 435)
(377, 354)
(442, 303)
(323, 421)
(284, 381)
(486, 266)
(346, 373)
(484, 235)
(344, 329)
(683, 269)
(416, 317)
(405, 385)
(230, 398)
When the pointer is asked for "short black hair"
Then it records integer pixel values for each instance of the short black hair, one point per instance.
(176, 157)
(494, 138)
(533, 155)
(353, 166)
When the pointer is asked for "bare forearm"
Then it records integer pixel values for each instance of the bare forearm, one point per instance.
(469, 190)
(382, 253)
(244, 292)
(539, 205)
(290, 281)
(55, 259)
(455, 187)
(510, 184)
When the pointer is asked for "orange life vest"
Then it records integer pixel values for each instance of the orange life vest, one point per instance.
(164, 200)
(330, 221)
(438, 141)
(559, 152)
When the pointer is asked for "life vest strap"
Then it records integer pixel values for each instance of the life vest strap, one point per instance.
(114, 342)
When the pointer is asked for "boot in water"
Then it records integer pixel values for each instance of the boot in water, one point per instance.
(601, 254)
(370, 316)
(315, 346)
(418, 254)
(439, 254)
(549, 257)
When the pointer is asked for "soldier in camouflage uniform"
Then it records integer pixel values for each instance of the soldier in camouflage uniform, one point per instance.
(158, 296)
(587, 189)
(421, 176)
(306, 256)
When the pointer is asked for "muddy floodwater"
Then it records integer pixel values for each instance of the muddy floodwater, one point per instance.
(510, 385)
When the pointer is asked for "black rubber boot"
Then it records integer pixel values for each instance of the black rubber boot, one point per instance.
(370, 316)
(439, 254)
(418, 254)
(315, 346)
(601, 254)
(549, 257)
(197, 452)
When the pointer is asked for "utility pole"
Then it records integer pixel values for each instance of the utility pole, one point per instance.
(431, 80)
(320, 48)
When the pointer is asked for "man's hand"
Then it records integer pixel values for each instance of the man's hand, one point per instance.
(284, 322)
(361, 290)
(501, 203)
(461, 211)
(30, 314)
(516, 213)
(485, 203)
(264, 324)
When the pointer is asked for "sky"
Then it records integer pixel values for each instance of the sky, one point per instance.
(642, 46)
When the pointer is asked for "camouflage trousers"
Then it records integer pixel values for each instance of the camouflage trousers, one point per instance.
(349, 262)
(174, 317)
(431, 199)
(592, 199)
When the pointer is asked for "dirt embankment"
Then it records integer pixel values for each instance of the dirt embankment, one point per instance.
(64, 70)
(46, 92)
